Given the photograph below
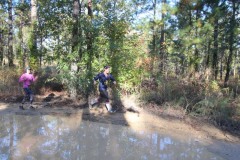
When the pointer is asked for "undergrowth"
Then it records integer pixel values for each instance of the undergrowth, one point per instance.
(208, 99)
(10, 86)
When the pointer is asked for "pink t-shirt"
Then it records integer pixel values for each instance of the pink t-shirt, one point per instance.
(27, 79)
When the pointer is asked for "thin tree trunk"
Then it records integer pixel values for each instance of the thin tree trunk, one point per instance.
(89, 36)
(75, 41)
(208, 54)
(75, 31)
(22, 50)
(154, 37)
(23, 53)
(1, 46)
(231, 41)
(41, 51)
(76, 9)
(221, 65)
(215, 49)
(196, 52)
(33, 37)
(10, 34)
(90, 44)
(162, 39)
(80, 32)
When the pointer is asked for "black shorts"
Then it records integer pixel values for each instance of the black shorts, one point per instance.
(104, 94)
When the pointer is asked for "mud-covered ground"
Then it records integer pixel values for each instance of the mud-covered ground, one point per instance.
(167, 121)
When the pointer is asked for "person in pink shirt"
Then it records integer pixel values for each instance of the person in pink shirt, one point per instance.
(27, 79)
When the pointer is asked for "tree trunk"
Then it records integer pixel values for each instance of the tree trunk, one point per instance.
(22, 50)
(215, 49)
(89, 36)
(76, 9)
(75, 32)
(10, 34)
(90, 44)
(1, 46)
(208, 54)
(196, 52)
(75, 41)
(154, 48)
(231, 41)
(33, 38)
(162, 39)
(221, 65)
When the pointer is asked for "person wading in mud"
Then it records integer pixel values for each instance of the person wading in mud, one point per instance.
(27, 79)
(102, 78)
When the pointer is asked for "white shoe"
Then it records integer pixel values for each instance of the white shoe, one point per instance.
(111, 111)
(108, 106)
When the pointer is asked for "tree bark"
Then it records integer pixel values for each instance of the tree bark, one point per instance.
(76, 9)
(231, 41)
(196, 52)
(89, 36)
(22, 50)
(90, 44)
(215, 49)
(75, 41)
(162, 39)
(208, 54)
(1, 46)
(154, 48)
(33, 37)
(10, 35)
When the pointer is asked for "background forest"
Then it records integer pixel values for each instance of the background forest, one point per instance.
(178, 53)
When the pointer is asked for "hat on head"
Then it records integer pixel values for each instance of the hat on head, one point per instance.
(106, 67)
(27, 68)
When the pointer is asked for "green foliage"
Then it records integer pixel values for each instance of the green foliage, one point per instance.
(77, 81)
(33, 58)
(214, 86)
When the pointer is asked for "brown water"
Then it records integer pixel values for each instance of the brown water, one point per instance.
(57, 137)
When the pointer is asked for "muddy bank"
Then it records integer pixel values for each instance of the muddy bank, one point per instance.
(166, 122)
(128, 113)
(138, 119)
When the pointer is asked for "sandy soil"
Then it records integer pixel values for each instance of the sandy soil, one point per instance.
(165, 121)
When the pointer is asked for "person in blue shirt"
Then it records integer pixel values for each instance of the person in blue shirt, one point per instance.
(103, 77)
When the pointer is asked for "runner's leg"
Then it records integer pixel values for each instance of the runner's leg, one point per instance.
(104, 94)
(26, 95)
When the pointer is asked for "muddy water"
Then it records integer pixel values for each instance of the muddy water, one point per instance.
(69, 137)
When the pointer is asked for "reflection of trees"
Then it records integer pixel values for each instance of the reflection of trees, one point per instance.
(11, 138)
(67, 137)
(6, 137)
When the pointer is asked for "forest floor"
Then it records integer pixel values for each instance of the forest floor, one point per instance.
(168, 120)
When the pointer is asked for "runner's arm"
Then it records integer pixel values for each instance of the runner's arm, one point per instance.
(112, 79)
(22, 78)
(95, 78)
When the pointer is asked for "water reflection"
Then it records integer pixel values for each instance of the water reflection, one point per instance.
(68, 137)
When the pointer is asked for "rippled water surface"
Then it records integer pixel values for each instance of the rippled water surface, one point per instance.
(69, 137)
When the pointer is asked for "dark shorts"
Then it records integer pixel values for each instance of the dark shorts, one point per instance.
(104, 94)
(27, 91)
